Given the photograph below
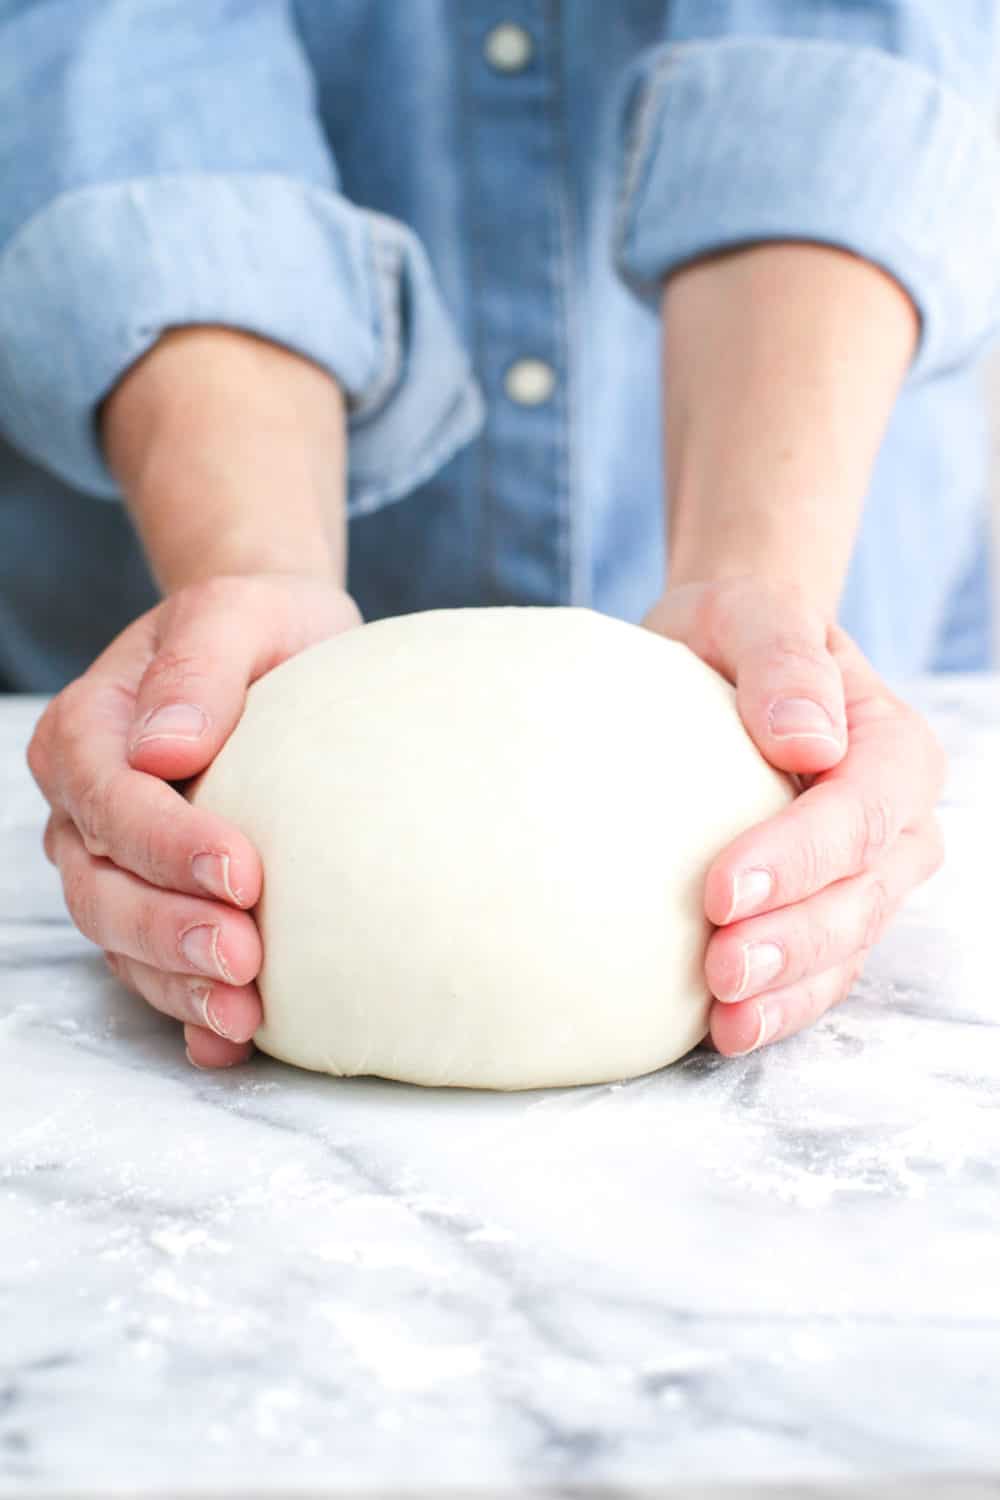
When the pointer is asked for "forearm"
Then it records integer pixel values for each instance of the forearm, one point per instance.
(231, 453)
(782, 365)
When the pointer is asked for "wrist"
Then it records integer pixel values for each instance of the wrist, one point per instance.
(719, 537)
(231, 453)
(212, 515)
(781, 366)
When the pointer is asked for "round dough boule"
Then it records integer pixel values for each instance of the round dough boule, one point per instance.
(485, 834)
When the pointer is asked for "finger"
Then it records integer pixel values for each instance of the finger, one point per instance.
(774, 647)
(107, 688)
(39, 754)
(143, 825)
(876, 716)
(134, 819)
(826, 930)
(738, 1029)
(789, 689)
(216, 639)
(176, 933)
(888, 780)
(49, 836)
(206, 1050)
(233, 1013)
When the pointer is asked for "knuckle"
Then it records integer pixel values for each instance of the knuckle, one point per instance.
(875, 828)
(171, 672)
(70, 712)
(154, 854)
(80, 896)
(91, 799)
(141, 844)
(36, 758)
(792, 649)
(808, 867)
(192, 996)
(841, 991)
(814, 950)
(140, 840)
(724, 964)
(828, 991)
(62, 707)
(38, 754)
(876, 913)
(815, 999)
(855, 971)
(146, 932)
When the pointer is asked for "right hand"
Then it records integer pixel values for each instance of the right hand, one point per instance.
(163, 887)
(799, 900)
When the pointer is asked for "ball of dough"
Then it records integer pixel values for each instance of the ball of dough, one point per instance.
(485, 834)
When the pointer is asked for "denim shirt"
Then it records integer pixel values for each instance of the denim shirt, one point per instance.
(464, 210)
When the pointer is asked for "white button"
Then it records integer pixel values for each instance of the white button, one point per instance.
(529, 382)
(508, 48)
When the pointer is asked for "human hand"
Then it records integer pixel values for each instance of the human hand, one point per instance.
(165, 888)
(799, 901)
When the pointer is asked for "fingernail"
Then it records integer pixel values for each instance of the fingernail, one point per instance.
(751, 889)
(174, 721)
(210, 1014)
(801, 719)
(187, 1054)
(768, 1025)
(762, 962)
(217, 1025)
(200, 993)
(200, 946)
(211, 872)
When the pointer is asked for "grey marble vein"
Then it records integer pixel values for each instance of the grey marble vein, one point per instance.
(782, 1270)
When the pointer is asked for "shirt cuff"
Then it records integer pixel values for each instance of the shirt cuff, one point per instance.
(747, 140)
(89, 284)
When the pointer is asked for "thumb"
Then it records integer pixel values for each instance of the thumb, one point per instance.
(214, 640)
(789, 688)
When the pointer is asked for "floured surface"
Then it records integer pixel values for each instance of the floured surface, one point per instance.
(782, 1265)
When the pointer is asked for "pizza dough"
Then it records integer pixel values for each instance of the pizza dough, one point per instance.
(485, 834)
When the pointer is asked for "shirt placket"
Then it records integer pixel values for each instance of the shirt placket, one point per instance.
(518, 235)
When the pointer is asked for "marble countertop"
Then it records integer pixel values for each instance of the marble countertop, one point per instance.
(774, 1268)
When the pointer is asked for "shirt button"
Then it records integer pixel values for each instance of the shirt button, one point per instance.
(508, 48)
(529, 382)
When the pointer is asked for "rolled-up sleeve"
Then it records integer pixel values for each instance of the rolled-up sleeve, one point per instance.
(881, 144)
(162, 164)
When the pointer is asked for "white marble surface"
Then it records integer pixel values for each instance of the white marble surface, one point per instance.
(787, 1265)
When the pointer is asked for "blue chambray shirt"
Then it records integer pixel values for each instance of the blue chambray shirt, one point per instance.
(420, 204)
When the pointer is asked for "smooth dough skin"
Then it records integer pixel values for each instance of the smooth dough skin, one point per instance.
(485, 834)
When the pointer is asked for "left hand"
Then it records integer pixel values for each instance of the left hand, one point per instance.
(800, 900)
(165, 887)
